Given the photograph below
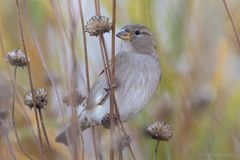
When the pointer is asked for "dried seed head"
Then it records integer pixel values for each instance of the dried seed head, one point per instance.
(17, 58)
(41, 98)
(98, 25)
(123, 142)
(160, 131)
(74, 98)
(106, 120)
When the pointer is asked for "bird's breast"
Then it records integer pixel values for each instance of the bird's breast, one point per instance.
(138, 75)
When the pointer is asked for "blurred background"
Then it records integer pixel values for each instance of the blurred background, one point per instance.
(199, 94)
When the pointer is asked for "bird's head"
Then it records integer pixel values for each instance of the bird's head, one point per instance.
(139, 37)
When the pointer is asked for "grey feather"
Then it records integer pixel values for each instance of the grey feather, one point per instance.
(138, 74)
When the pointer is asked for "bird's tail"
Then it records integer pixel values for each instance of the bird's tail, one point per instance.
(69, 134)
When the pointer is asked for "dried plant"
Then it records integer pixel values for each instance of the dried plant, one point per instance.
(98, 25)
(17, 58)
(29, 75)
(159, 131)
(41, 98)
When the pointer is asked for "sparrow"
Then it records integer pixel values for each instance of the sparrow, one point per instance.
(137, 74)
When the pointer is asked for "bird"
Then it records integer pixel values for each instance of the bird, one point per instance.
(137, 73)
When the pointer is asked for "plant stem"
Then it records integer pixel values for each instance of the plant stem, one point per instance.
(45, 133)
(156, 150)
(86, 59)
(13, 115)
(44, 61)
(112, 104)
(232, 21)
(30, 77)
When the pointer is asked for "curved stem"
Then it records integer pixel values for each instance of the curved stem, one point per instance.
(233, 23)
(13, 117)
(30, 77)
(45, 133)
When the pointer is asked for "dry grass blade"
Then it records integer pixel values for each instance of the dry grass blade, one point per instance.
(45, 133)
(233, 23)
(30, 77)
(13, 115)
(112, 78)
(156, 150)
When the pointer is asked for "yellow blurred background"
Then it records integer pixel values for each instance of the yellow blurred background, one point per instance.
(199, 94)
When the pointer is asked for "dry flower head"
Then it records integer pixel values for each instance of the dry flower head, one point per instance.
(106, 120)
(41, 98)
(98, 25)
(17, 58)
(160, 131)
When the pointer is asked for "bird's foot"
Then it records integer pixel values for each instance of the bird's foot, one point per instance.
(113, 86)
(106, 120)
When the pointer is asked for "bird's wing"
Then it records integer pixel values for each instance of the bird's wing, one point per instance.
(98, 93)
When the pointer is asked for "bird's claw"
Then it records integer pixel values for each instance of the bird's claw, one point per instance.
(111, 87)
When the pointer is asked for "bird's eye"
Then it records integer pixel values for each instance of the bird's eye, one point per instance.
(137, 32)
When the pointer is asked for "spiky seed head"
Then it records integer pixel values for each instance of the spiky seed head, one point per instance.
(41, 98)
(17, 58)
(160, 131)
(98, 25)
(106, 120)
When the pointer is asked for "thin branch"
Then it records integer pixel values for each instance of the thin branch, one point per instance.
(112, 78)
(156, 150)
(84, 45)
(86, 59)
(45, 133)
(233, 23)
(29, 76)
(13, 115)
(39, 51)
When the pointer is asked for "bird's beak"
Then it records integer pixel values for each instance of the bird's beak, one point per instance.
(123, 35)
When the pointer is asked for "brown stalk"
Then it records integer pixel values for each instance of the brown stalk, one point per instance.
(156, 150)
(39, 111)
(113, 71)
(108, 75)
(86, 60)
(39, 51)
(232, 22)
(45, 133)
(30, 77)
(84, 44)
(13, 115)
(112, 97)
(13, 81)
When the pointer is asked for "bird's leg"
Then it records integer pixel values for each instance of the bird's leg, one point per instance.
(113, 86)
(108, 89)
